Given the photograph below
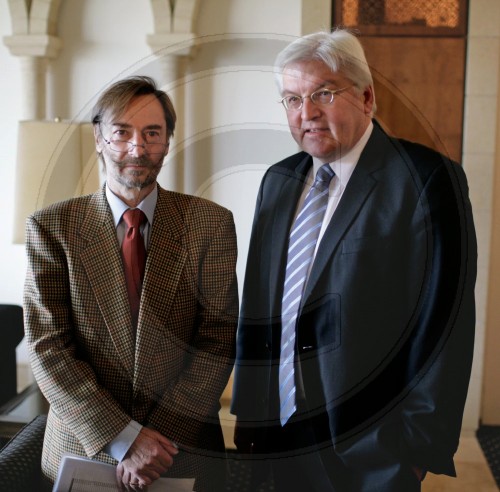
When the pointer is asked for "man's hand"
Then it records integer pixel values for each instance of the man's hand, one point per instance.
(150, 455)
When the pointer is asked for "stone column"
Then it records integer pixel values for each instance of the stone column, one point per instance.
(34, 50)
(173, 51)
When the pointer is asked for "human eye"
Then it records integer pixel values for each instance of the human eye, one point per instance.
(293, 101)
(322, 96)
(153, 135)
(120, 134)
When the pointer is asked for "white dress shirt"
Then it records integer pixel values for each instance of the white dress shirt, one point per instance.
(343, 168)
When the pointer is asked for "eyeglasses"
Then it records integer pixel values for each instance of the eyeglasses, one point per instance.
(152, 142)
(321, 97)
(126, 146)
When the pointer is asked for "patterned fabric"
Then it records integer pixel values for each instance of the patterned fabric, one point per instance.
(79, 327)
(301, 247)
(20, 458)
(489, 440)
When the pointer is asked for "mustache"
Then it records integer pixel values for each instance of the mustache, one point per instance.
(135, 161)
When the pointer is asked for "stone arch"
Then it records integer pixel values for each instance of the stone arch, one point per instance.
(44, 16)
(162, 15)
(34, 16)
(174, 16)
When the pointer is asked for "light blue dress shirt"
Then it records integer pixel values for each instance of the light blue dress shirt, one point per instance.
(119, 446)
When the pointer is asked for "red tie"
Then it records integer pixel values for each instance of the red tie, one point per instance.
(134, 258)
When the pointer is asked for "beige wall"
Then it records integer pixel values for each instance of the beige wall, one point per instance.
(480, 160)
(490, 404)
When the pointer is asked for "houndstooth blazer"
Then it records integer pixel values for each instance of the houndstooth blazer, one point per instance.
(95, 376)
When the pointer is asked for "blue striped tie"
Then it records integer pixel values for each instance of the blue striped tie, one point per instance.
(301, 246)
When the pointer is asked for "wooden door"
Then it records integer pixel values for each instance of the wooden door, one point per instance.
(416, 50)
(419, 89)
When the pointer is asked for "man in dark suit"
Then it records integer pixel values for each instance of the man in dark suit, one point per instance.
(356, 332)
(134, 371)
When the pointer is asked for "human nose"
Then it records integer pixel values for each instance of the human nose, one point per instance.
(137, 145)
(309, 110)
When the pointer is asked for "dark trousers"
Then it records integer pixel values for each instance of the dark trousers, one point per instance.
(303, 458)
(302, 455)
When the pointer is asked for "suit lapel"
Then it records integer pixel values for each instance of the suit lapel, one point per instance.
(165, 264)
(359, 187)
(103, 265)
(288, 196)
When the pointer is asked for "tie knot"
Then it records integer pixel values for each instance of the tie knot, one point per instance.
(134, 217)
(323, 177)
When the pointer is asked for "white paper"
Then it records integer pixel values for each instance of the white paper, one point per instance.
(77, 474)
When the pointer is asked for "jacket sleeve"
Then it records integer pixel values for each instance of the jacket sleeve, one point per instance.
(444, 334)
(68, 382)
(250, 391)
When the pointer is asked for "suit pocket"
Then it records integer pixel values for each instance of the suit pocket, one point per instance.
(319, 325)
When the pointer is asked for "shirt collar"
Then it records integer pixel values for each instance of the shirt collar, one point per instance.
(344, 165)
(118, 207)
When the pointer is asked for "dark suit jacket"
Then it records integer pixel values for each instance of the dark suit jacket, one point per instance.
(79, 329)
(386, 328)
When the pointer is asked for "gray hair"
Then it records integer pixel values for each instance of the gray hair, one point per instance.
(340, 50)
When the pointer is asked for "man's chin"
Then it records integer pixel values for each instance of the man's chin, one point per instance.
(137, 183)
(138, 179)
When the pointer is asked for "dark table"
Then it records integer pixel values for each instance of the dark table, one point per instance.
(20, 410)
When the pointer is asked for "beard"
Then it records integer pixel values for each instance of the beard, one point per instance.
(136, 178)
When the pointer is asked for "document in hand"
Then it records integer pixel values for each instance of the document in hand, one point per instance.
(77, 474)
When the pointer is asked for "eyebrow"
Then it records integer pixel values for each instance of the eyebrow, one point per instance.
(324, 85)
(153, 126)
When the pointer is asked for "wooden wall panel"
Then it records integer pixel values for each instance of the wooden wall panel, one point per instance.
(419, 87)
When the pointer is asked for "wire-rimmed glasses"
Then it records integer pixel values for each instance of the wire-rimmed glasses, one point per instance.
(321, 97)
(127, 146)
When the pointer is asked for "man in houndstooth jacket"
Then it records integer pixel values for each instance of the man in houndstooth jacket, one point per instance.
(145, 397)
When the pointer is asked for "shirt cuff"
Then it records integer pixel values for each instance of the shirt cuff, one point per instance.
(119, 446)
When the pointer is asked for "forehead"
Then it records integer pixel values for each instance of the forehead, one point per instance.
(140, 111)
(311, 73)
